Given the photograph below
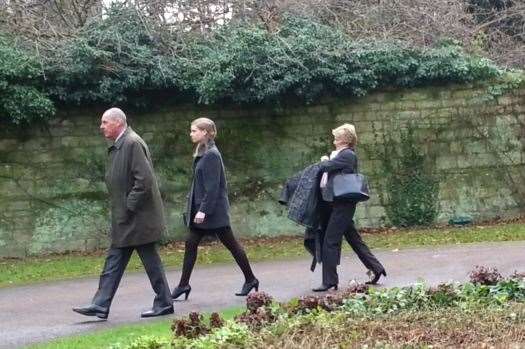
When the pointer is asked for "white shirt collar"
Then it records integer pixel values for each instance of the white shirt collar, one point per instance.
(334, 153)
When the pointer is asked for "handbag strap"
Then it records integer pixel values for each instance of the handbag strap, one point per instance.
(356, 170)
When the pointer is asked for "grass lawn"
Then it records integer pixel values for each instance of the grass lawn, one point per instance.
(39, 269)
(122, 334)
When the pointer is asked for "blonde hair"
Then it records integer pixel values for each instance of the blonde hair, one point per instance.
(346, 133)
(204, 124)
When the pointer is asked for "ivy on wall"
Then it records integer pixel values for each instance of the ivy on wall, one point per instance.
(412, 187)
(507, 138)
(22, 96)
(119, 59)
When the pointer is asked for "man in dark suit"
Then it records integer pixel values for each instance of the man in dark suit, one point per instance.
(137, 217)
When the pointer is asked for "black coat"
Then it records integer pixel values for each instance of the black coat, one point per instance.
(137, 213)
(209, 191)
(301, 194)
(344, 162)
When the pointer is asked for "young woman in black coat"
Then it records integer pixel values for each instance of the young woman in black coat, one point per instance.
(207, 210)
(337, 216)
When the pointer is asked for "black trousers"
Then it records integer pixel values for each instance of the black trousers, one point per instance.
(116, 261)
(337, 220)
(227, 238)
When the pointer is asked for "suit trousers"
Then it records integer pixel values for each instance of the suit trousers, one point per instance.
(116, 261)
(337, 220)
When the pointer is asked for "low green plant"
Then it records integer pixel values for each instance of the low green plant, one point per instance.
(449, 313)
(396, 299)
(232, 334)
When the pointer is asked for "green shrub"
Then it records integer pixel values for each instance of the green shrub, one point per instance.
(111, 61)
(21, 98)
(307, 60)
(125, 59)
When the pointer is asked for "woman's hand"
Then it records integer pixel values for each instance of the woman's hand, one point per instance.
(324, 158)
(199, 217)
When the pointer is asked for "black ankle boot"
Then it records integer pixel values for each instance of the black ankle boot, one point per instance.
(247, 287)
(179, 290)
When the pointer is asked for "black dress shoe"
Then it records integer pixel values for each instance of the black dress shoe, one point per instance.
(247, 287)
(158, 312)
(376, 277)
(324, 288)
(180, 290)
(93, 310)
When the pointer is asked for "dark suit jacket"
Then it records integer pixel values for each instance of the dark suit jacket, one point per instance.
(344, 162)
(209, 191)
(137, 213)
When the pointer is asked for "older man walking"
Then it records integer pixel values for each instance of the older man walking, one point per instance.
(137, 218)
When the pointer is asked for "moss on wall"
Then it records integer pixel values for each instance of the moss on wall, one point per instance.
(474, 144)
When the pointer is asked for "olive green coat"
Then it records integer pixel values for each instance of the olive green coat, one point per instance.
(137, 213)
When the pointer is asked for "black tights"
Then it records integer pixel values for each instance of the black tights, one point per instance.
(226, 237)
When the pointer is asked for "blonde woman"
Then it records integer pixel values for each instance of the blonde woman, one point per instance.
(207, 210)
(337, 215)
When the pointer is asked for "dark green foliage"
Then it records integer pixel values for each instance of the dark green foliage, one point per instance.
(249, 64)
(125, 59)
(412, 188)
(115, 61)
(307, 60)
(21, 98)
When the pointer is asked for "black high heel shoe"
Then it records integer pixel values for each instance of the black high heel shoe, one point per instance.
(324, 288)
(376, 277)
(247, 287)
(179, 290)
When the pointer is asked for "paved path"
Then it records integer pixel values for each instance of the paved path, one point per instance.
(39, 313)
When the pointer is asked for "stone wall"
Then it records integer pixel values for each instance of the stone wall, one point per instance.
(52, 196)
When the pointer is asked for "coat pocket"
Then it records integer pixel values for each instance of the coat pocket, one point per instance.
(125, 217)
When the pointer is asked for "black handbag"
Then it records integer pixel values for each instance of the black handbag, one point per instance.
(351, 186)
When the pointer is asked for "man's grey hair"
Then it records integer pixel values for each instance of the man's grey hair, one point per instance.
(116, 113)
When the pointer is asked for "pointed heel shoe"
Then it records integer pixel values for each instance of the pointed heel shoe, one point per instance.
(180, 290)
(247, 287)
(324, 288)
(376, 277)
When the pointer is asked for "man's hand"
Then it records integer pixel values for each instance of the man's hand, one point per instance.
(199, 217)
(324, 158)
